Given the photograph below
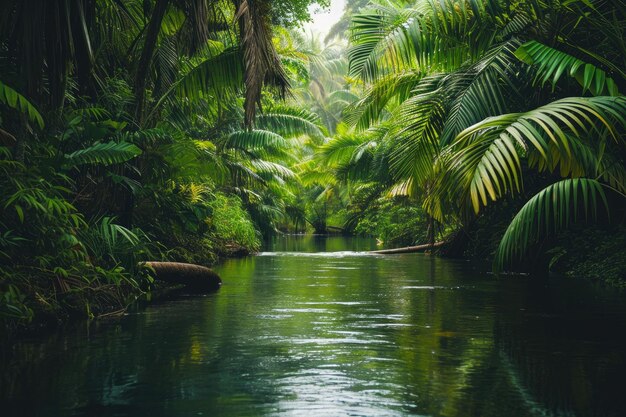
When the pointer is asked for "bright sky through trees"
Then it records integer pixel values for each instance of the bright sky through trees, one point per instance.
(324, 19)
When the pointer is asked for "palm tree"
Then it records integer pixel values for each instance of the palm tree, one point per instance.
(76, 33)
(460, 82)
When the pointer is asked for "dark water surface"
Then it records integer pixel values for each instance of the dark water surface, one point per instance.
(315, 329)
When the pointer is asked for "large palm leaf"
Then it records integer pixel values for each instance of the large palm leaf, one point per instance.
(485, 160)
(551, 64)
(414, 146)
(488, 87)
(291, 122)
(261, 62)
(250, 140)
(103, 154)
(431, 36)
(552, 209)
(368, 109)
(215, 77)
(377, 33)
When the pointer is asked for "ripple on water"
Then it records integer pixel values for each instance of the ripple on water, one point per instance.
(334, 393)
(430, 287)
(301, 310)
(338, 254)
(337, 341)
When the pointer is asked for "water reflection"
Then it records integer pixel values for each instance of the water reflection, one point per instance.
(338, 335)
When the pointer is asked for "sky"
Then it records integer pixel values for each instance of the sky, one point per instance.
(323, 20)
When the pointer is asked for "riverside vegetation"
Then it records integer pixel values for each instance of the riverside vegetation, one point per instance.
(188, 130)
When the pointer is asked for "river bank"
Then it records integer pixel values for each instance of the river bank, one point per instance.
(573, 259)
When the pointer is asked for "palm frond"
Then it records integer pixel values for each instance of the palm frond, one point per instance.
(291, 122)
(103, 154)
(166, 63)
(414, 146)
(432, 35)
(487, 88)
(213, 78)
(380, 33)
(343, 149)
(344, 96)
(551, 64)
(486, 163)
(255, 140)
(519, 22)
(213, 74)
(316, 177)
(552, 209)
(367, 111)
(277, 171)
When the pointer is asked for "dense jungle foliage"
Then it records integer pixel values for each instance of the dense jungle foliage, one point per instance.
(186, 130)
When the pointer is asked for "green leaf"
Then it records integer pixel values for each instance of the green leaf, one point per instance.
(20, 213)
(103, 154)
(255, 139)
(552, 209)
(16, 101)
(551, 64)
(484, 160)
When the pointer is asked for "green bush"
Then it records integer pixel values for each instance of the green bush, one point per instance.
(231, 225)
(592, 252)
(396, 222)
(50, 260)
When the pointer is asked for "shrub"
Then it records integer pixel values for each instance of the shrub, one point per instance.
(231, 225)
(396, 222)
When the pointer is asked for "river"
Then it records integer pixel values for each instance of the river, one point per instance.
(316, 327)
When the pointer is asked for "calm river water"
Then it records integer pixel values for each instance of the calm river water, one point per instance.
(313, 327)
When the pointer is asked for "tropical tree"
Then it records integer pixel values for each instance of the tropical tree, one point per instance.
(131, 130)
(463, 86)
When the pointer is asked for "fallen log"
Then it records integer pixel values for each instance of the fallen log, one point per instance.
(409, 249)
(194, 277)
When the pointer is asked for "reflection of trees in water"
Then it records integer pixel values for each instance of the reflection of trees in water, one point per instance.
(548, 353)
(130, 367)
(543, 382)
(560, 353)
(450, 342)
(559, 405)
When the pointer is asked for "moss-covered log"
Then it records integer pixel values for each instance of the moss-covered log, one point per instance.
(194, 277)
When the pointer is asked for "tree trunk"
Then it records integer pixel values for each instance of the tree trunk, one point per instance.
(141, 76)
(195, 277)
(430, 232)
(409, 249)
